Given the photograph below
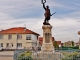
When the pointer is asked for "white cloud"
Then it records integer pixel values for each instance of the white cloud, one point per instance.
(63, 22)
(64, 27)
(61, 27)
(4, 16)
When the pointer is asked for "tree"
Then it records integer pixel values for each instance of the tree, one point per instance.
(55, 44)
(72, 43)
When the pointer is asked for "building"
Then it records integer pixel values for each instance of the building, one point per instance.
(69, 44)
(59, 43)
(41, 40)
(18, 38)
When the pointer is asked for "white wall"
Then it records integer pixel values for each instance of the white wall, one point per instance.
(34, 39)
(25, 43)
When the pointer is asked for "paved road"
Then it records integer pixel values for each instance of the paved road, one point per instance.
(6, 52)
(6, 55)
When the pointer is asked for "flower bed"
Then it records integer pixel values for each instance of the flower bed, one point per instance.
(71, 56)
(27, 55)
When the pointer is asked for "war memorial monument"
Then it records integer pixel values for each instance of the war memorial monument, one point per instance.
(47, 33)
(47, 49)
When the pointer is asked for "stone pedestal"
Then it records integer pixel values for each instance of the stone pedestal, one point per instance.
(47, 44)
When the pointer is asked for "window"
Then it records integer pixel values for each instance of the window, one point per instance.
(28, 37)
(1, 44)
(9, 36)
(7, 45)
(11, 44)
(1, 36)
(19, 36)
(19, 44)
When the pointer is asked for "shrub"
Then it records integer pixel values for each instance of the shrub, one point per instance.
(27, 55)
(71, 56)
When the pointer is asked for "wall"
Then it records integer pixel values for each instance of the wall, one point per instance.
(34, 40)
(25, 43)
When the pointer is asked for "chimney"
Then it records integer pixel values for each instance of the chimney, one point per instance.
(25, 28)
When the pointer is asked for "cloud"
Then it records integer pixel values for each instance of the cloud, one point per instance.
(16, 13)
(63, 22)
(62, 28)
(65, 28)
(4, 16)
(13, 7)
(24, 8)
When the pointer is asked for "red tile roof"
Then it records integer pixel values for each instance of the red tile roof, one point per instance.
(59, 42)
(19, 30)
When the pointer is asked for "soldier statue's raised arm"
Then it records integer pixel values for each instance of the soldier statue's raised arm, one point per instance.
(47, 13)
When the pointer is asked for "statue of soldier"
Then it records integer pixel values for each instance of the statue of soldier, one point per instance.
(47, 13)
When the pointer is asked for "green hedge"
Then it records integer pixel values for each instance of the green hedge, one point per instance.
(67, 48)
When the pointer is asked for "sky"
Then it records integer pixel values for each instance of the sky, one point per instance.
(30, 13)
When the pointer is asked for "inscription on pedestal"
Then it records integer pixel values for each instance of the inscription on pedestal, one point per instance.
(47, 37)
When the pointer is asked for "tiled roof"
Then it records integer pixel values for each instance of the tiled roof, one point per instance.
(19, 30)
(59, 42)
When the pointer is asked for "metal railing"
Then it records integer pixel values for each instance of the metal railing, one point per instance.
(47, 55)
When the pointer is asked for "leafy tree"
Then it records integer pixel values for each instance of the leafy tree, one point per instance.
(72, 43)
(55, 44)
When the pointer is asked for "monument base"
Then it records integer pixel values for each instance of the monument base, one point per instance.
(47, 55)
(47, 47)
(47, 38)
